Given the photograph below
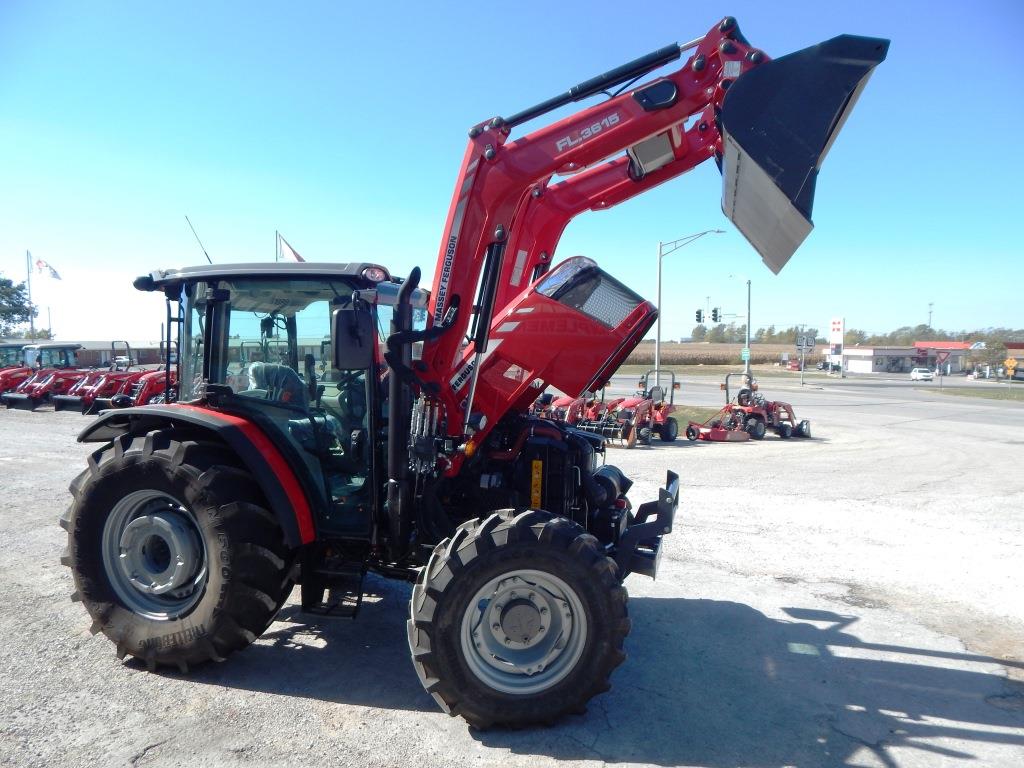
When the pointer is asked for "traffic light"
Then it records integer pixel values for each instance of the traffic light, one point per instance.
(716, 314)
(700, 315)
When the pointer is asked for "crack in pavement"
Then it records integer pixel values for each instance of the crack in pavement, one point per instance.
(134, 759)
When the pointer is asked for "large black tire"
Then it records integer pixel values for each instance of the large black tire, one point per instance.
(785, 430)
(669, 430)
(755, 428)
(243, 571)
(482, 551)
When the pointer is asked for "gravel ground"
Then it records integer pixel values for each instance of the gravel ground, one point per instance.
(856, 599)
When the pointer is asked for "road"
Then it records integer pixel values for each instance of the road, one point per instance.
(854, 599)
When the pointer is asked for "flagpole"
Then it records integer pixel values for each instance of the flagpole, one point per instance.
(28, 273)
(277, 246)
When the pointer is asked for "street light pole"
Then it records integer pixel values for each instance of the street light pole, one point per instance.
(664, 249)
(746, 363)
(747, 369)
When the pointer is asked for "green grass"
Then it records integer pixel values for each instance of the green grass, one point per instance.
(687, 413)
(996, 392)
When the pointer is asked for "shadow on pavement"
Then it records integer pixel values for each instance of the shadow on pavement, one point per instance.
(707, 682)
(720, 684)
(363, 661)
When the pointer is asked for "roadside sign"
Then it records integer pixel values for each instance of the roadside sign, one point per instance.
(1011, 364)
(805, 342)
(745, 354)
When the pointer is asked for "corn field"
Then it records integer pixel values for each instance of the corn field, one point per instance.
(673, 353)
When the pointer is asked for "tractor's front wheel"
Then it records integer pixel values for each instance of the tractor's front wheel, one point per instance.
(756, 428)
(172, 551)
(669, 430)
(517, 619)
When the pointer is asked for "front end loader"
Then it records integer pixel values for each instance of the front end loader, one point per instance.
(319, 463)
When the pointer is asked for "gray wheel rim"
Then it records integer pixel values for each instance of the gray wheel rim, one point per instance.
(523, 632)
(154, 555)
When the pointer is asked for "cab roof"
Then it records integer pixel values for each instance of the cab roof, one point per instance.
(53, 345)
(162, 279)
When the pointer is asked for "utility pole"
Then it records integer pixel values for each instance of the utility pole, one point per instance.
(930, 305)
(28, 273)
(664, 249)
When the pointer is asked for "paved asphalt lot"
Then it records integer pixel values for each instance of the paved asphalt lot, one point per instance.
(855, 599)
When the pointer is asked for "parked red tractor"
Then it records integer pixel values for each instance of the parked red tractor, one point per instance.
(759, 415)
(89, 394)
(194, 519)
(11, 355)
(44, 385)
(750, 415)
(38, 358)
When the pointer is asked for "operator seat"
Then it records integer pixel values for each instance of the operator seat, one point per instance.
(279, 382)
(657, 394)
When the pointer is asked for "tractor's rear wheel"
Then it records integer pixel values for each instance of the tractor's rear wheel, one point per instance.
(669, 430)
(517, 619)
(172, 551)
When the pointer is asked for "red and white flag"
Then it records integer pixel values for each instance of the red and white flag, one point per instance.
(286, 251)
(42, 265)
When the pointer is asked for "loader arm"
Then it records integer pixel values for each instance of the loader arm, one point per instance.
(549, 209)
(497, 178)
(505, 221)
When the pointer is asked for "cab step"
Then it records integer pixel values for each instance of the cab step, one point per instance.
(333, 592)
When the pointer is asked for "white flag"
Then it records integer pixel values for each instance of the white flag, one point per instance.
(287, 252)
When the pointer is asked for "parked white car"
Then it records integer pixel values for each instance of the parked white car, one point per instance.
(921, 374)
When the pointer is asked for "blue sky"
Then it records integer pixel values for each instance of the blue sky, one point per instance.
(343, 126)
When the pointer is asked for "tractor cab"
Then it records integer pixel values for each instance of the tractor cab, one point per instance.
(11, 354)
(295, 349)
(52, 355)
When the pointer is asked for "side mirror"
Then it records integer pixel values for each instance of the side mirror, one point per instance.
(353, 337)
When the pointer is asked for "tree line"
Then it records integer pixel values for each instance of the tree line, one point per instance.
(737, 334)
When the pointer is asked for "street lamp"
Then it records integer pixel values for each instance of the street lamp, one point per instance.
(746, 363)
(664, 249)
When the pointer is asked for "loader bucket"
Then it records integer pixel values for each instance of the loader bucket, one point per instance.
(66, 403)
(778, 122)
(20, 402)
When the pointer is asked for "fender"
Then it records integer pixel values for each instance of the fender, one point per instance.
(284, 492)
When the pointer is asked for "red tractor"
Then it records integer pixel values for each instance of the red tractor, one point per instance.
(42, 387)
(750, 415)
(635, 419)
(36, 358)
(89, 394)
(11, 354)
(759, 415)
(194, 519)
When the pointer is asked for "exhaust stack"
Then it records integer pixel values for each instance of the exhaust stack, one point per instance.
(778, 122)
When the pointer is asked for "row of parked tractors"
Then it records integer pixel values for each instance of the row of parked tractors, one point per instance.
(639, 418)
(32, 375)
